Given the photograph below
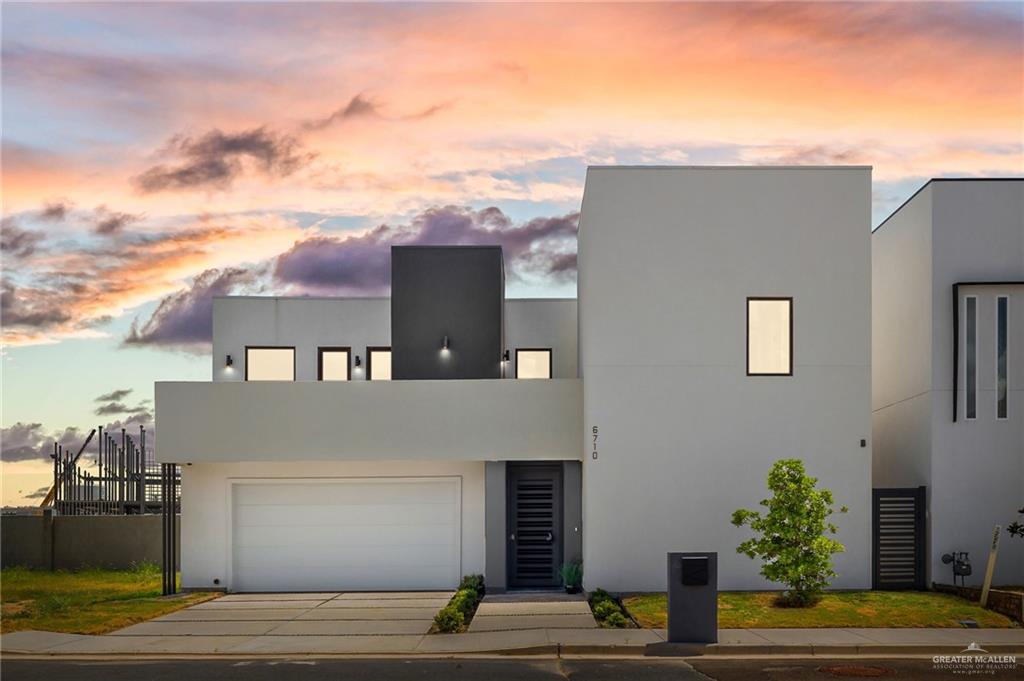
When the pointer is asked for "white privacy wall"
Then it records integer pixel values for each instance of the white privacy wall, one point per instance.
(206, 502)
(977, 468)
(667, 259)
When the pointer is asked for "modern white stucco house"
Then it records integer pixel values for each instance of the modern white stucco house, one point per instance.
(948, 405)
(722, 323)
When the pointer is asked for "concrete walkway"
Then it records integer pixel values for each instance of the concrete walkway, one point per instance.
(397, 624)
(502, 613)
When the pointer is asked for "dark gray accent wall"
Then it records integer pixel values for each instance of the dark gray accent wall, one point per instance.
(495, 527)
(572, 514)
(453, 291)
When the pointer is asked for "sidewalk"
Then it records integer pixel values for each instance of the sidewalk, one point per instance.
(616, 642)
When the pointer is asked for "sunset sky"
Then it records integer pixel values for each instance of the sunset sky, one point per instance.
(156, 155)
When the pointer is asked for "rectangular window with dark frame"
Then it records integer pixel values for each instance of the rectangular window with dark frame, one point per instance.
(1002, 348)
(971, 357)
(378, 363)
(266, 363)
(533, 362)
(333, 364)
(769, 336)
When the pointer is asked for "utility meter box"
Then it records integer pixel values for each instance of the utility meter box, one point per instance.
(693, 597)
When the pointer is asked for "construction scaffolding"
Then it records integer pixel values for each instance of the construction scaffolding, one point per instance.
(122, 481)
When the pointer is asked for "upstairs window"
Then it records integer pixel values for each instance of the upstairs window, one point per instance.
(769, 336)
(378, 364)
(971, 357)
(533, 363)
(333, 364)
(269, 364)
(1002, 338)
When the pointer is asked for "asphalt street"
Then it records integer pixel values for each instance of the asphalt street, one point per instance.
(470, 670)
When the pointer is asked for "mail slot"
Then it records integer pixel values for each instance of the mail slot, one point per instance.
(695, 570)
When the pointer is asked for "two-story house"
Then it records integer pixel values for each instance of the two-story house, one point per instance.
(722, 323)
(948, 324)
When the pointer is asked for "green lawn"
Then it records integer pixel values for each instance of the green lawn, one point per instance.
(749, 609)
(85, 602)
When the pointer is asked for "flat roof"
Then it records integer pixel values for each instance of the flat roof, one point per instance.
(727, 167)
(337, 298)
(945, 179)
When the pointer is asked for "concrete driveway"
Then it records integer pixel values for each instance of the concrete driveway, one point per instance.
(301, 614)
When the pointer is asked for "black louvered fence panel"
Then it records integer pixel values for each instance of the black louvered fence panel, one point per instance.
(899, 538)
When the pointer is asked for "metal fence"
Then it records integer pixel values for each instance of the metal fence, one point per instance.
(124, 480)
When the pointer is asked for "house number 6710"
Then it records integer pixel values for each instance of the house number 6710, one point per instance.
(593, 453)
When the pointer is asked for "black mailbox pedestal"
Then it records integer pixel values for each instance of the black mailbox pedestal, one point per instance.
(693, 597)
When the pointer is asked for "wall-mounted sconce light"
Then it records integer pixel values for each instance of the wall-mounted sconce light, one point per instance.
(359, 362)
(444, 343)
(228, 362)
(504, 356)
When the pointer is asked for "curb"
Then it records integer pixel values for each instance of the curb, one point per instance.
(805, 650)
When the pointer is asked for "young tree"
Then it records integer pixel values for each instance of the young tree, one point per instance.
(791, 539)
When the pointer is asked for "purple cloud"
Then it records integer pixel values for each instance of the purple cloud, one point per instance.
(29, 441)
(214, 160)
(184, 320)
(361, 264)
(17, 242)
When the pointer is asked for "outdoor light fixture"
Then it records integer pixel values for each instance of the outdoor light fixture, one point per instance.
(228, 362)
(359, 362)
(444, 343)
(504, 356)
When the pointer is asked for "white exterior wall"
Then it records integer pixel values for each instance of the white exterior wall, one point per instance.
(977, 466)
(476, 420)
(206, 503)
(543, 323)
(901, 386)
(951, 231)
(308, 323)
(305, 323)
(667, 258)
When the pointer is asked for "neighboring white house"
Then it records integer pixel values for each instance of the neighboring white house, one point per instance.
(724, 323)
(948, 386)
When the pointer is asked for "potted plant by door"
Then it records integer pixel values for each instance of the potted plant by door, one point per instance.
(572, 576)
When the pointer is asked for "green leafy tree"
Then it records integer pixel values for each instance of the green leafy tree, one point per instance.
(791, 536)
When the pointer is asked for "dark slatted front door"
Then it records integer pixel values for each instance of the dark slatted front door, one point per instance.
(899, 546)
(534, 525)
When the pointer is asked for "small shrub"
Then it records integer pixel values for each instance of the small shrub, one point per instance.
(604, 609)
(473, 583)
(616, 621)
(449, 620)
(598, 595)
(572, 574)
(453, 617)
(607, 610)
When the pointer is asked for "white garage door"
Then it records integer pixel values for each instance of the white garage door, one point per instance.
(346, 534)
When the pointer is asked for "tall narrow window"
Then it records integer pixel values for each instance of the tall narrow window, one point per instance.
(769, 336)
(378, 364)
(971, 360)
(1002, 331)
(333, 364)
(269, 364)
(533, 363)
